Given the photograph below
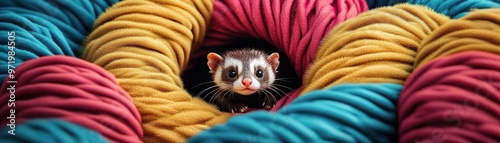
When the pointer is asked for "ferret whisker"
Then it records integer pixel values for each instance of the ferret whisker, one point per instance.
(201, 84)
(281, 95)
(274, 98)
(282, 86)
(211, 87)
(211, 98)
(270, 88)
(217, 90)
(275, 89)
(231, 96)
(270, 94)
(283, 79)
(216, 94)
(224, 95)
(262, 91)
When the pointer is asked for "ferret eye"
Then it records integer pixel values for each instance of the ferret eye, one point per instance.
(259, 73)
(231, 73)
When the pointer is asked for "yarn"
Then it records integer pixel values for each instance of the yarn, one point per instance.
(457, 8)
(50, 131)
(73, 90)
(344, 113)
(452, 99)
(478, 30)
(455, 78)
(45, 27)
(294, 27)
(146, 45)
(378, 46)
(372, 4)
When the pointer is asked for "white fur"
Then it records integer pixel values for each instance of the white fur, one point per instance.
(237, 84)
(218, 78)
(253, 64)
(234, 62)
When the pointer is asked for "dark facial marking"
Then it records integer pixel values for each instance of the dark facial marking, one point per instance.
(227, 74)
(245, 56)
(231, 73)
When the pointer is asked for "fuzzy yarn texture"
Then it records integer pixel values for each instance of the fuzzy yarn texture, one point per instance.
(344, 113)
(457, 8)
(372, 4)
(147, 50)
(73, 90)
(452, 99)
(50, 131)
(294, 27)
(369, 70)
(35, 28)
(456, 78)
(146, 45)
(377, 46)
(452, 8)
(478, 30)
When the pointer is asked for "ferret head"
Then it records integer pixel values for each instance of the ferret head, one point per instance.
(243, 71)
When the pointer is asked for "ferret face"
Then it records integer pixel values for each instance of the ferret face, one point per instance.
(244, 72)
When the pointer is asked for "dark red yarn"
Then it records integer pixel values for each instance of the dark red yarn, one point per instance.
(452, 99)
(73, 90)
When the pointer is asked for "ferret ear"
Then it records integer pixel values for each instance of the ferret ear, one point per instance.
(273, 59)
(213, 61)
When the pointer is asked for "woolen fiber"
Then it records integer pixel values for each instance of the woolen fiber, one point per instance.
(455, 98)
(45, 27)
(375, 47)
(73, 90)
(50, 131)
(372, 4)
(294, 27)
(344, 113)
(146, 46)
(479, 30)
(457, 8)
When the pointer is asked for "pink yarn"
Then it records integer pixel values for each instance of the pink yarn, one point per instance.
(74, 90)
(295, 27)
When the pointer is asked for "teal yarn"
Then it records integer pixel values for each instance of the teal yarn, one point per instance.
(50, 131)
(45, 27)
(380, 3)
(344, 113)
(452, 8)
(457, 8)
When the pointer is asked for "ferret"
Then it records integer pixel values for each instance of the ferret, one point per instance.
(242, 77)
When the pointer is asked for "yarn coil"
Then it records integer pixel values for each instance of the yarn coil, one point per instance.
(452, 99)
(73, 90)
(50, 131)
(343, 113)
(377, 46)
(33, 29)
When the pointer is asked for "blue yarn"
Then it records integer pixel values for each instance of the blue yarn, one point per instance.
(344, 113)
(46, 27)
(380, 3)
(50, 131)
(457, 8)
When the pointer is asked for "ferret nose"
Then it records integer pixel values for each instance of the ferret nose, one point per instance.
(246, 82)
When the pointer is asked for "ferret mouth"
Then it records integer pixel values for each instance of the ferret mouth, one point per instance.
(246, 91)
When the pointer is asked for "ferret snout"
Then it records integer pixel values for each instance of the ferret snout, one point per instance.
(246, 82)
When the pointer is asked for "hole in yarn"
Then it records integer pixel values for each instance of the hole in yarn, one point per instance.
(196, 77)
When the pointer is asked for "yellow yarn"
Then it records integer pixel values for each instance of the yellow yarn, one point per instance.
(377, 46)
(479, 30)
(146, 46)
